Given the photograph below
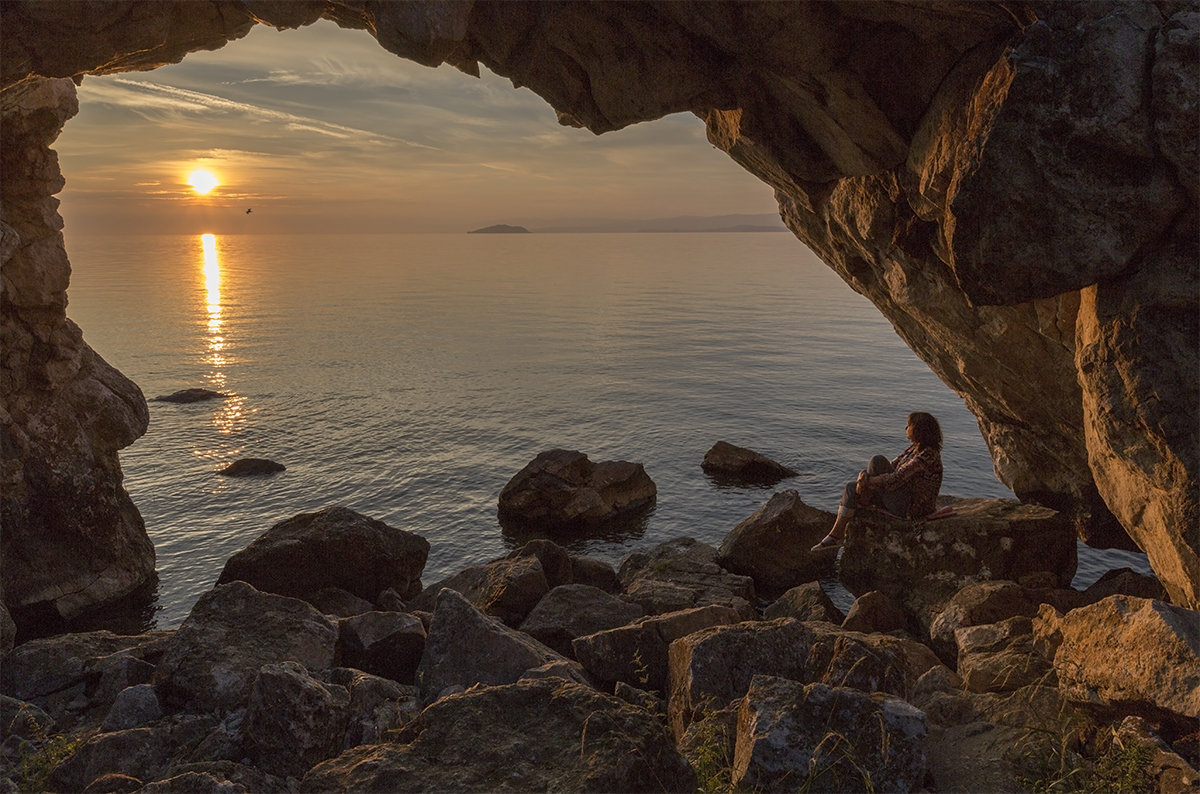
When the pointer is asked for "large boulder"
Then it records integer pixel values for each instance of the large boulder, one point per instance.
(1001, 657)
(466, 647)
(1131, 655)
(293, 721)
(561, 489)
(772, 546)
(680, 574)
(575, 610)
(536, 735)
(506, 589)
(977, 604)
(798, 737)
(212, 660)
(711, 667)
(921, 564)
(335, 547)
(728, 464)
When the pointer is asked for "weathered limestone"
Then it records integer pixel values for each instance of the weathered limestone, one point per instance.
(921, 564)
(1020, 202)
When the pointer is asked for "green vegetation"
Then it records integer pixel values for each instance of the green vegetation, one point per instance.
(40, 754)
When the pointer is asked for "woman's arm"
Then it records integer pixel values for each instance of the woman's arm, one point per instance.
(906, 470)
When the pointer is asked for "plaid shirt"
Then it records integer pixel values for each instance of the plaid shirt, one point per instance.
(919, 472)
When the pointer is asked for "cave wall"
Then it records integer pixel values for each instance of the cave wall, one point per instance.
(1012, 184)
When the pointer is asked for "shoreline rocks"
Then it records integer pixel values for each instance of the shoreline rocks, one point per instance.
(567, 686)
(251, 467)
(731, 465)
(187, 396)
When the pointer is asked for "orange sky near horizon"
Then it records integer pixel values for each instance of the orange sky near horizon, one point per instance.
(321, 130)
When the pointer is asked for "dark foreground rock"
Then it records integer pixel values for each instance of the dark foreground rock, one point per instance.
(728, 464)
(540, 735)
(920, 565)
(212, 661)
(681, 574)
(251, 467)
(772, 546)
(798, 737)
(561, 489)
(335, 547)
(190, 396)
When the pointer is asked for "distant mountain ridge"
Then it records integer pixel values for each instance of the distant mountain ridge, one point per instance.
(683, 223)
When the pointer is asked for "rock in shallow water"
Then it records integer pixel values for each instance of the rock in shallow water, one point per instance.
(561, 490)
(190, 396)
(728, 464)
(249, 467)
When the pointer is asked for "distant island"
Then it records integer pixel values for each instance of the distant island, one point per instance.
(500, 228)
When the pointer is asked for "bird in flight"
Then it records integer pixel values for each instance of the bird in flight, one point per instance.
(249, 210)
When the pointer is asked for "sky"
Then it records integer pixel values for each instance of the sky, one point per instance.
(321, 130)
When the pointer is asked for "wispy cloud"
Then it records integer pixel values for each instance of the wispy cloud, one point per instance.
(141, 95)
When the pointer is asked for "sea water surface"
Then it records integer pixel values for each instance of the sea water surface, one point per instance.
(409, 377)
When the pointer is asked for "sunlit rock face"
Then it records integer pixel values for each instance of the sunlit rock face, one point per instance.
(1012, 184)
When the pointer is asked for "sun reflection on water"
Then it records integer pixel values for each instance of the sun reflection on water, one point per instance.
(231, 416)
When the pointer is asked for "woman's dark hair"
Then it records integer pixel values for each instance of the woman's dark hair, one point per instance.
(926, 430)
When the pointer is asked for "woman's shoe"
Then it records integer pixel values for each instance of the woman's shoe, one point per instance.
(827, 542)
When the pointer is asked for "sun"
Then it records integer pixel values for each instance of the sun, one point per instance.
(203, 181)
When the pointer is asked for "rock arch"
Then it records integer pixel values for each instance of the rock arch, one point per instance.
(1013, 184)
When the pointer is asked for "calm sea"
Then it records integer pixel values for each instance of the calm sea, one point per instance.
(409, 377)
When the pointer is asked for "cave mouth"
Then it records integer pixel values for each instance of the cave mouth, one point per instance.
(233, 418)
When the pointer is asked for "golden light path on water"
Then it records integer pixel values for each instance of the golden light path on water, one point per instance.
(232, 415)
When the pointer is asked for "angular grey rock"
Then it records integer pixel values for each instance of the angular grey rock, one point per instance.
(792, 736)
(575, 610)
(1001, 657)
(506, 589)
(293, 721)
(682, 574)
(711, 667)
(377, 706)
(637, 654)
(727, 463)
(805, 602)
(772, 546)
(466, 647)
(541, 735)
(976, 604)
(341, 603)
(334, 547)
(387, 644)
(212, 660)
(597, 573)
(875, 612)
(557, 565)
(562, 489)
(134, 707)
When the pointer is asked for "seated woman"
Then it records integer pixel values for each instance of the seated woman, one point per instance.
(907, 486)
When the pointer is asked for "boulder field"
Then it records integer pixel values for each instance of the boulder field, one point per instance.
(667, 673)
(1020, 202)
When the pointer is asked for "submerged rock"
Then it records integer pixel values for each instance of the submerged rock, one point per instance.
(726, 463)
(561, 489)
(249, 467)
(190, 396)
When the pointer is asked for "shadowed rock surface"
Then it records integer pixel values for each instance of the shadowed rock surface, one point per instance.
(727, 463)
(195, 395)
(1020, 202)
(563, 490)
(251, 467)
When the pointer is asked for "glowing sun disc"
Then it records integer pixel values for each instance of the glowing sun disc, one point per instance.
(202, 181)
